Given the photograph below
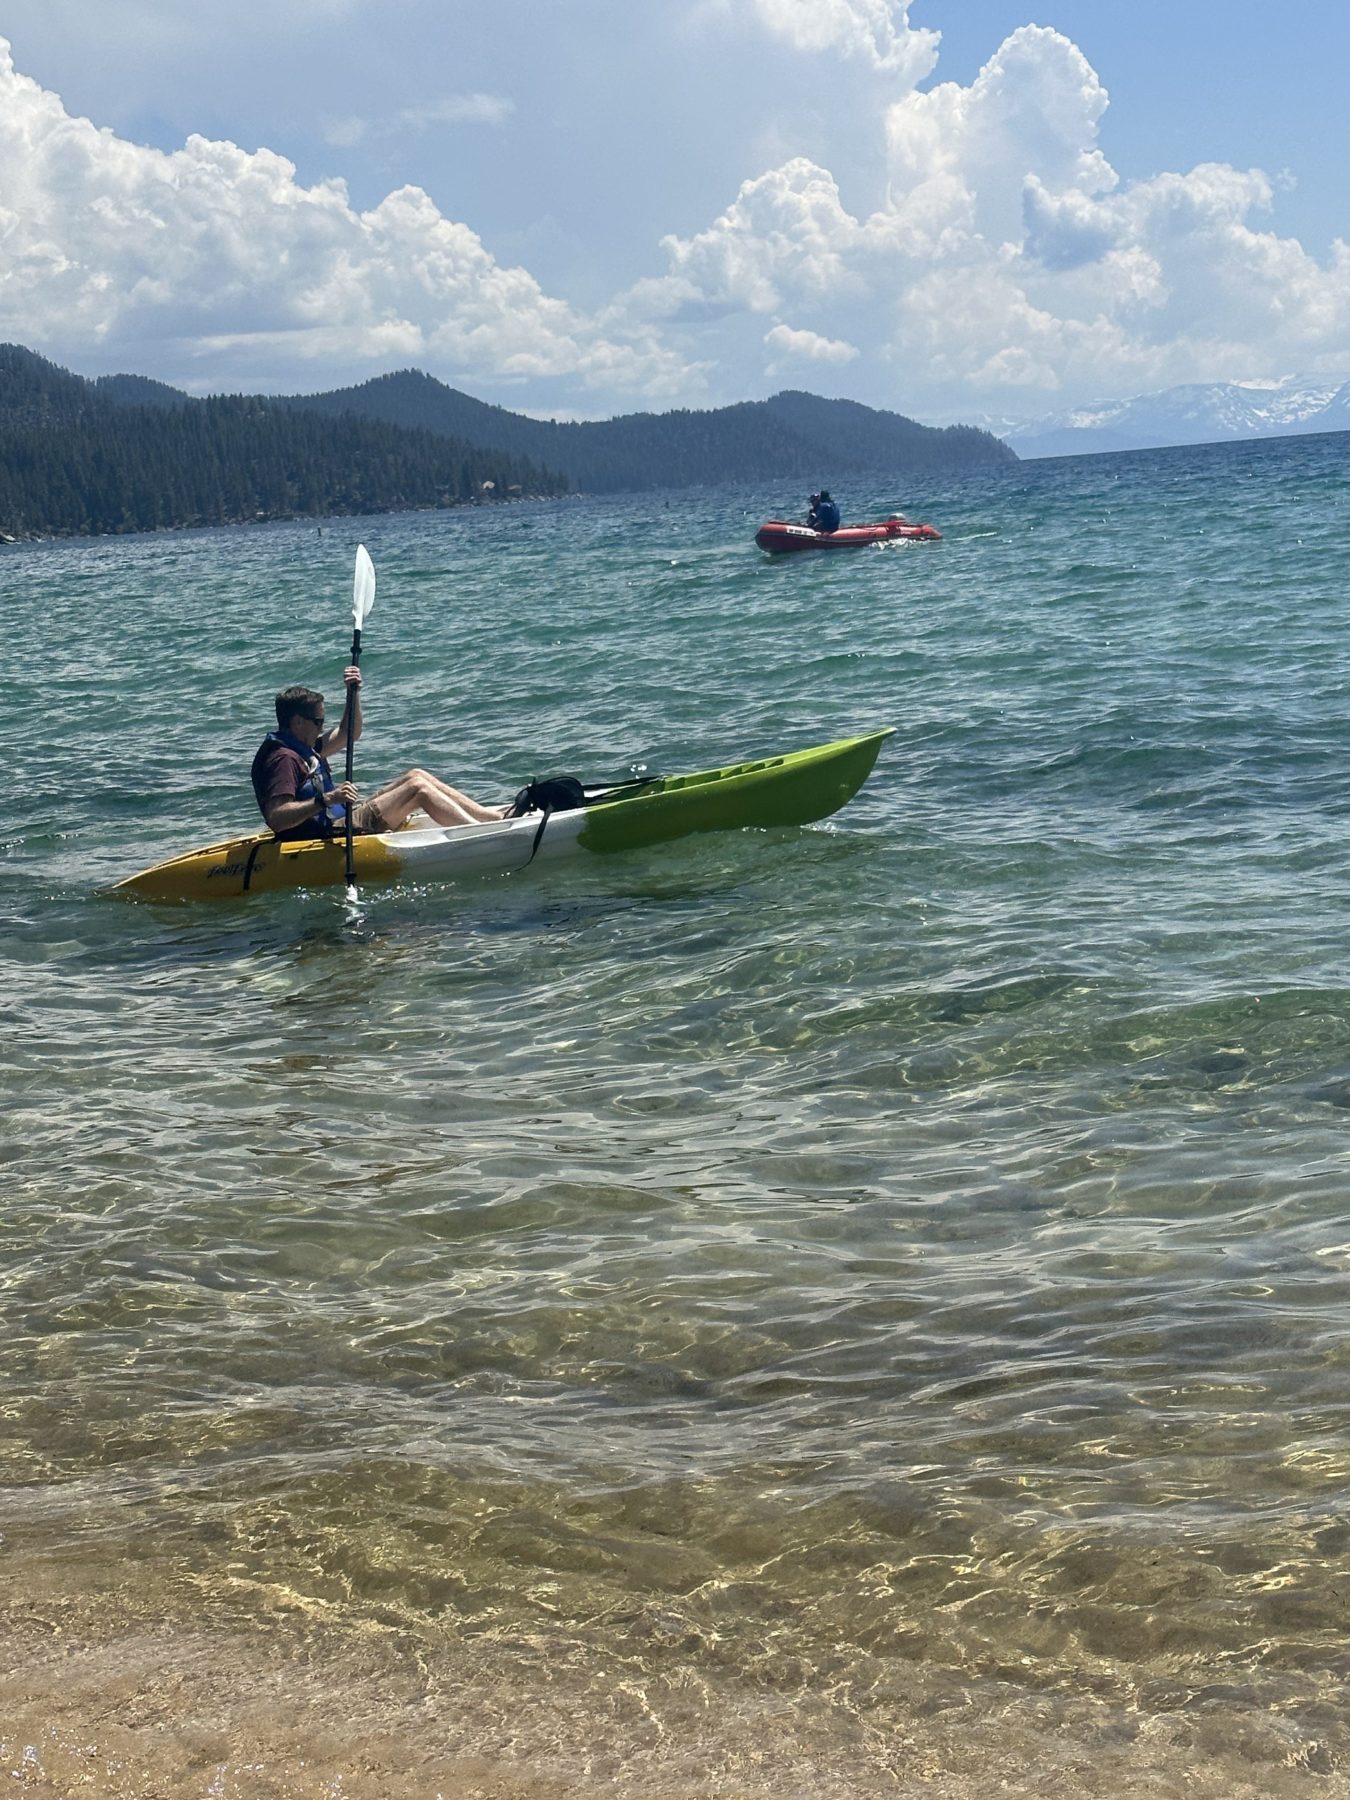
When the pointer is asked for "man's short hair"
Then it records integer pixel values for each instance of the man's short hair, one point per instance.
(294, 700)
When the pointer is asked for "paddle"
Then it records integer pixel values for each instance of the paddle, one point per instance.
(363, 598)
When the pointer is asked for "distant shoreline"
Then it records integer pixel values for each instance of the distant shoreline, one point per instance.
(278, 518)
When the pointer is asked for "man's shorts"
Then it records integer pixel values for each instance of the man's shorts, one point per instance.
(367, 819)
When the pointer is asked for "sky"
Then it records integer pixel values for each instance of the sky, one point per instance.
(955, 209)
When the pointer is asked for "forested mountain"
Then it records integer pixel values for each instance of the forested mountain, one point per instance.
(128, 454)
(125, 453)
(140, 390)
(793, 436)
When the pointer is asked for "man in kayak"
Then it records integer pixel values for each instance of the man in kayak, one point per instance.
(824, 514)
(298, 797)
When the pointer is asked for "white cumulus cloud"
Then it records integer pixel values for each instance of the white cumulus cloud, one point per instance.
(1007, 254)
(111, 246)
(997, 260)
(878, 31)
(789, 346)
(786, 232)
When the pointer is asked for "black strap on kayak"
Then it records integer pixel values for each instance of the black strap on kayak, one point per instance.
(253, 855)
(564, 793)
(544, 818)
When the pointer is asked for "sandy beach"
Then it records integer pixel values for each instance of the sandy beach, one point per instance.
(122, 1693)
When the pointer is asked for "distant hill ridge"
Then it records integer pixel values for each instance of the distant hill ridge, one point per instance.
(139, 390)
(128, 454)
(795, 436)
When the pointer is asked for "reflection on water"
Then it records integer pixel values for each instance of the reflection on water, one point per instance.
(830, 1312)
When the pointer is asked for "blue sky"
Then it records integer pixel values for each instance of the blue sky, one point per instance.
(953, 208)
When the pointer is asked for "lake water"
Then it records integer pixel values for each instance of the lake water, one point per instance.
(846, 1311)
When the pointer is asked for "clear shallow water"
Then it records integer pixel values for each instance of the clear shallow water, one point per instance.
(786, 1313)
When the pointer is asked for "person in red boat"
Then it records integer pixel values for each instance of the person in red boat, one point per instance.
(824, 514)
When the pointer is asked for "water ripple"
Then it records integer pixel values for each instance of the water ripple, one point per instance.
(904, 1257)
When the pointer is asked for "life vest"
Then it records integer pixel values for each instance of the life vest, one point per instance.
(318, 782)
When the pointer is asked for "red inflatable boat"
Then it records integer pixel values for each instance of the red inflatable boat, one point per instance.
(777, 535)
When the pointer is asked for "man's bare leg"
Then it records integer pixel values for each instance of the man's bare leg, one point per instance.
(444, 805)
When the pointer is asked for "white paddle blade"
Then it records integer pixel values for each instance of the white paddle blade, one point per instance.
(363, 586)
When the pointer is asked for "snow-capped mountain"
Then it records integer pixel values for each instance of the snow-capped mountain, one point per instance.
(1198, 413)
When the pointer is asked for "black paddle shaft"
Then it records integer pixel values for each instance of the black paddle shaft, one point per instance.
(349, 721)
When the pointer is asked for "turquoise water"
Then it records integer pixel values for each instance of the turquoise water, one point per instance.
(783, 1313)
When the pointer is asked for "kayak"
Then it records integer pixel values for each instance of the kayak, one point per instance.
(793, 789)
(778, 536)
